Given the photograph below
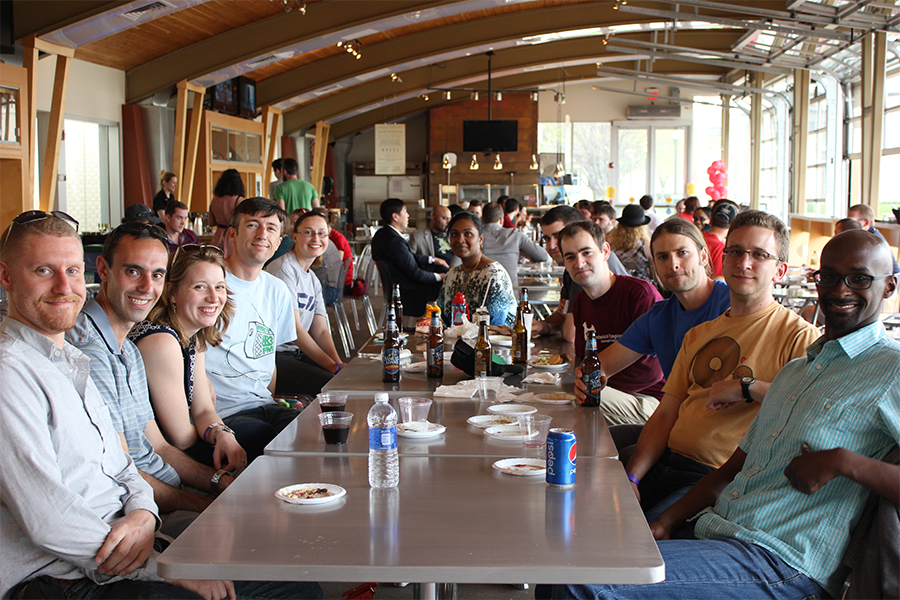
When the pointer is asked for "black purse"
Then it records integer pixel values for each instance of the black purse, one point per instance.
(463, 358)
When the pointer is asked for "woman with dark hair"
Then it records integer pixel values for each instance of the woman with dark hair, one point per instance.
(481, 280)
(691, 204)
(228, 192)
(167, 184)
(190, 317)
(630, 240)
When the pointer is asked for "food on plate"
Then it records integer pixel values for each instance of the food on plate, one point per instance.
(307, 493)
(423, 325)
(556, 359)
(526, 467)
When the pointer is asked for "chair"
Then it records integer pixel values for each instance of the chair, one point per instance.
(340, 315)
(387, 285)
(365, 267)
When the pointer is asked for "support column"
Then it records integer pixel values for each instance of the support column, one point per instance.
(799, 137)
(873, 75)
(726, 127)
(755, 139)
(189, 167)
(271, 122)
(318, 169)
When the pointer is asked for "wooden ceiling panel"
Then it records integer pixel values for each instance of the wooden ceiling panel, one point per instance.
(151, 40)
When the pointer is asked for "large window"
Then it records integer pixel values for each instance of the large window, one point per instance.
(816, 153)
(86, 193)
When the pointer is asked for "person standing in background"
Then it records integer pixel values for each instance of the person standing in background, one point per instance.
(646, 203)
(228, 192)
(295, 193)
(167, 184)
(279, 177)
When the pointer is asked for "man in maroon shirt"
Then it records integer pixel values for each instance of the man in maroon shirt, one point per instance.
(610, 303)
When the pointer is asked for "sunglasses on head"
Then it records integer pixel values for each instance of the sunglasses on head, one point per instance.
(198, 249)
(32, 216)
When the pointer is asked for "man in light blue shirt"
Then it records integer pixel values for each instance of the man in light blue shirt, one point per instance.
(775, 520)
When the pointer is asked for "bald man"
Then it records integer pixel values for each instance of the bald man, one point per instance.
(433, 241)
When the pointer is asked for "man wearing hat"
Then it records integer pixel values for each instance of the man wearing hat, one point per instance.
(141, 213)
(722, 214)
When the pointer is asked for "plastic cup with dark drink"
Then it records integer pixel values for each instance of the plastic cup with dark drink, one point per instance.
(332, 402)
(335, 426)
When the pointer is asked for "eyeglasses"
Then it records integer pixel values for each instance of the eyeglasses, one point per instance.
(755, 255)
(310, 233)
(854, 281)
(32, 216)
(198, 249)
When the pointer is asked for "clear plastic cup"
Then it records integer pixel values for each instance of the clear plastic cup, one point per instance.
(489, 388)
(332, 402)
(335, 426)
(534, 429)
(414, 409)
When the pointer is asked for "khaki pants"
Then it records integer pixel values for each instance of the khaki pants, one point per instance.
(620, 408)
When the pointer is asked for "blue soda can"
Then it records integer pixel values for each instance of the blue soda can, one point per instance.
(561, 452)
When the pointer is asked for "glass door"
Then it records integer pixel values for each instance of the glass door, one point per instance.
(650, 159)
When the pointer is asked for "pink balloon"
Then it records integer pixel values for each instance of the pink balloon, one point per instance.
(719, 165)
(720, 187)
(710, 190)
(711, 171)
(717, 178)
(715, 195)
(723, 192)
(724, 173)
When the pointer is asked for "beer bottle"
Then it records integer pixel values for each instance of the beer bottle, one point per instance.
(483, 357)
(590, 370)
(436, 347)
(390, 353)
(527, 319)
(519, 339)
(398, 306)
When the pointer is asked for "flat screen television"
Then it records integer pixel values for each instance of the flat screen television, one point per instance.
(490, 136)
(245, 93)
(220, 98)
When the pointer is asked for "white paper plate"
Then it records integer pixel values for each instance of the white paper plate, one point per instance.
(504, 341)
(331, 492)
(554, 398)
(485, 421)
(511, 409)
(507, 433)
(562, 367)
(433, 430)
(523, 467)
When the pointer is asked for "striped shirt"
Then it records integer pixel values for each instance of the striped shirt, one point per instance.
(845, 393)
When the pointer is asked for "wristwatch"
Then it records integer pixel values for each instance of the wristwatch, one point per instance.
(746, 382)
(214, 482)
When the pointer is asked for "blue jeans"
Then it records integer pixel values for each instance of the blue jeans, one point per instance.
(716, 569)
(156, 590)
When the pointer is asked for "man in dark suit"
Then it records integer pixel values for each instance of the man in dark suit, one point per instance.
(419, 276)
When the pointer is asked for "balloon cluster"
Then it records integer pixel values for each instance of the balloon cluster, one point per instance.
(718, 175)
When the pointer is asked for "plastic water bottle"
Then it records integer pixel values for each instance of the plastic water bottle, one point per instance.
(384, 465)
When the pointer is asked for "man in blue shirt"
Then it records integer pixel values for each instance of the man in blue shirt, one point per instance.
(681, 262)
(775, 520)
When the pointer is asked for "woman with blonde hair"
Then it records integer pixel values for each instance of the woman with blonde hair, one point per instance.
(191, 315)
(630, 240)
(167, 184)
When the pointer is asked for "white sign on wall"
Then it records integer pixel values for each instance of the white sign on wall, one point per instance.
(390, 149)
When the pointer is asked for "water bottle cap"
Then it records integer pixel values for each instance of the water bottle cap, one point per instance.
(381, 397)
(459, 298)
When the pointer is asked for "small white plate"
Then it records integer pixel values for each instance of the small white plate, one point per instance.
(432, 430)
(524, 467)
(504, 341)
(485, 421)
(415, 367)
(511, 409)
(507, 433)
(537, 365)
(555, 398)
(328, 493)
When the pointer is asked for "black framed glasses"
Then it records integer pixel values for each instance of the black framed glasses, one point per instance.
(755, 255)
(854, 281)
(32, 216)
(198, 249)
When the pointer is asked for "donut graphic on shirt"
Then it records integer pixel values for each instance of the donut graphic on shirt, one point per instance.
(718, 360)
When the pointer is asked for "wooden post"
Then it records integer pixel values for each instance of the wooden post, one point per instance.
(30, 62)
(318, 170)
(180, 132)
(271, 121)
(726, 126)
(189, 167)
(755, 140)
(874, 47)
(800, 134)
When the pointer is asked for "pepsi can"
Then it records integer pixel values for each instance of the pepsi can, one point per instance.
(561, 452)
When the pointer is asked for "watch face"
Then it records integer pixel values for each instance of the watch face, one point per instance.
(747, 380)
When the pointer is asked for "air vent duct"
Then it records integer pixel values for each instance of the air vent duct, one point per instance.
(137, 13)
(651, 111)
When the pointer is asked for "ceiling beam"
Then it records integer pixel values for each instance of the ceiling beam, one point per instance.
(38, 18)
(260, 38)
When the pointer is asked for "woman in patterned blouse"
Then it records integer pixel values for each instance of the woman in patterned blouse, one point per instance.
(480, 279)
(191, 315)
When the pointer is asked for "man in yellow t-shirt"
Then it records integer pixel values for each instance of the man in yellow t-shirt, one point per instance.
(726, 363)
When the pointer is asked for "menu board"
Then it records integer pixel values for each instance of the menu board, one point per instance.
(390, 149)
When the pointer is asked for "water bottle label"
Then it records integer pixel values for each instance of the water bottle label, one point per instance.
(593, 384)
(382, 438)
(436, 356)
(391, 360)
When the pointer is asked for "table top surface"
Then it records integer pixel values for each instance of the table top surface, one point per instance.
(304, 435)
(450, 519)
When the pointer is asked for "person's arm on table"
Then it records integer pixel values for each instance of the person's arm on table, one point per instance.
(320, 332)
(554, 321)
(612, 360)
(724, 393)
(704, 493)
(654, 438)
(812, 469)
(568, 328)
(310, 348)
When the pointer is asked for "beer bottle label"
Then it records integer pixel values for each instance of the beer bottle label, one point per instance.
(382, 438)
(593, 384)
(391, 360)
(436, 356)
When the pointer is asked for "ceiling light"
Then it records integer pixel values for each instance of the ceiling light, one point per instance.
(396, 78)
(534, 96)
(534, 163)
(499, 97)
(475, 96)
(446, 164)
(447, 95)
(497, 164)
(473, 166)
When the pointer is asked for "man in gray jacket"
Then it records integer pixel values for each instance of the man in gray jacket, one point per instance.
(505, 245)
(433, 241)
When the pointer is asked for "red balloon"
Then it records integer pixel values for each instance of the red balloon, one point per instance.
(710, 191)
(723, 192)
(719, 165)
(711, 170)
(717, 178)
(720, 187)
(715, 195)
(724, 173)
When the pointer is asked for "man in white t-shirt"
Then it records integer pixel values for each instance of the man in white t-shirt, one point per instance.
(242, 368)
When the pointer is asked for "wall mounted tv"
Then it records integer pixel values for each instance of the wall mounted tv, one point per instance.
(490, 136)
(233, 97)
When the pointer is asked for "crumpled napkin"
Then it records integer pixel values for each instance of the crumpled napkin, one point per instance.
(467, 331)
(544, 378)
(468, 388)
(416, 426)
(416, 367)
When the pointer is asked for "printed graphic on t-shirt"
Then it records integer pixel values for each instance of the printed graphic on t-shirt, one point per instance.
(718, 360)
(259, 342)
(306, 302)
